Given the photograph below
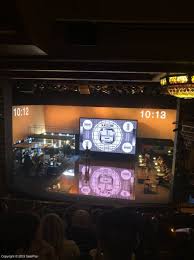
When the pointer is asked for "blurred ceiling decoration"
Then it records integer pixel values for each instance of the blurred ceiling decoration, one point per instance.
(179, 85)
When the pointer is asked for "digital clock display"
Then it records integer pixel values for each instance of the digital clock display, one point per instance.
(153, 114)
(21, 111)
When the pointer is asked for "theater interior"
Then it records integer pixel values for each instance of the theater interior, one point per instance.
(97, 113)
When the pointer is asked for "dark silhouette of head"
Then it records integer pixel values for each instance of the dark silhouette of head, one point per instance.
(18, 231)
(116, 235)
(81, 218)
(52, 228)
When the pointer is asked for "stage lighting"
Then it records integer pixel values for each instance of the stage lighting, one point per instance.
(84, 90)
(52, 133)
(69, 172)
(184, 230)
(44, 133)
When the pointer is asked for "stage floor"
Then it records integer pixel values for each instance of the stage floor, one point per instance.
(98, 182)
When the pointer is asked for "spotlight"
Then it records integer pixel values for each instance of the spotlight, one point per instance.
(69, 172)
(52, 133)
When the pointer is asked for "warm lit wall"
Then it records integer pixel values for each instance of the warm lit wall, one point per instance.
(67, 118)
(23, 124)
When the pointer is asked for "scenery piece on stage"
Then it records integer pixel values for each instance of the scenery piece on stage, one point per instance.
(43, 154)
(108, 135)
(108, 182)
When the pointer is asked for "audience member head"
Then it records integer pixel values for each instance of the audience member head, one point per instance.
(19, 231)
(52, 229)
(95, 214)
(116, 233)
(81, 218)
(9, 233)
(29, 225)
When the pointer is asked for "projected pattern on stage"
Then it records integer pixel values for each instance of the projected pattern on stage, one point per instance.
(106, 182)
(115, 136)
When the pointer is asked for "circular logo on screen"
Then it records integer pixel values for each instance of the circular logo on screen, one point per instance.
(87, 144)
(87, 124)
(128, 127)
(105, 182)
(125, 193)
(127, 147)
(85, 190)
(126, 175)
(107, 135)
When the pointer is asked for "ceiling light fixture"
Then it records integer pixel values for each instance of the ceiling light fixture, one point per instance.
(180, 86)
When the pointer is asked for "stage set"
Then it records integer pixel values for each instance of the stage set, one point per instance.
(98, 154)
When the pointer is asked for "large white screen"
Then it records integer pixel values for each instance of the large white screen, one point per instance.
(108, 135)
